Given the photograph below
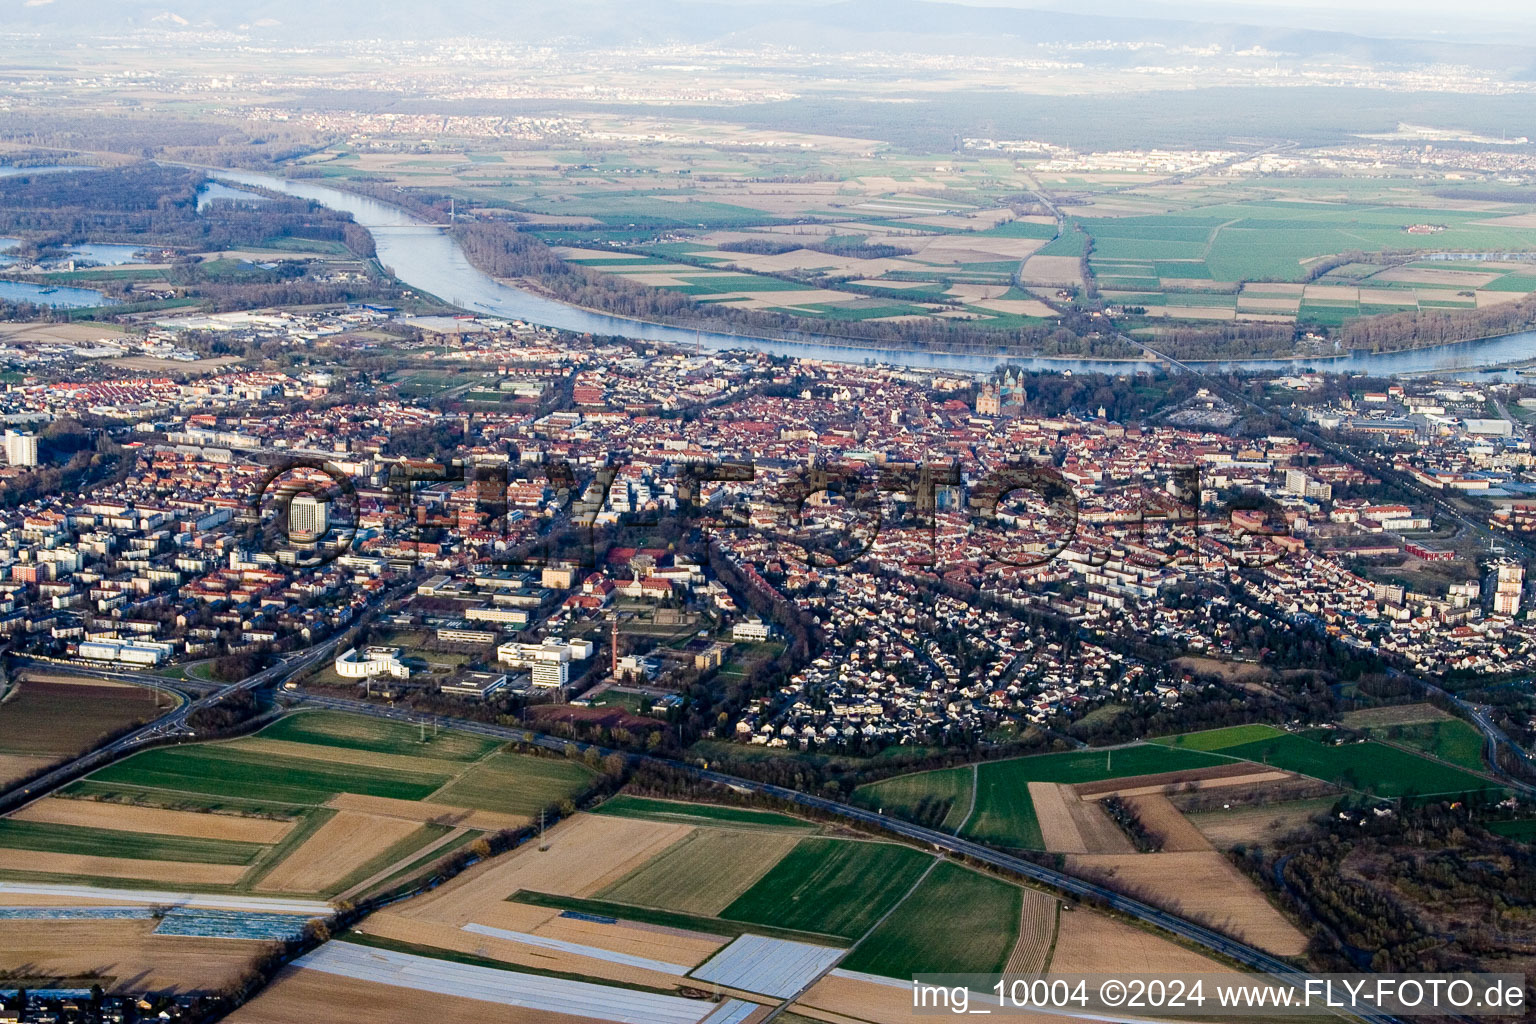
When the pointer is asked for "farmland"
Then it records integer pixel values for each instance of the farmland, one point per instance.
(940, 799)
(45, 719)
(1220, 739)
(320, 802)
(1451, 740)
(956, 920)
(515, 784)
(705, 872)
(835, 886)
(1368, 767)
(1005, 815)
(839, 238)
(627, 806)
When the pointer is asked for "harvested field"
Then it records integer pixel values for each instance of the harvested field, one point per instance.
(1257, 825)
(426, 813)
(585, 854)
(1402, 714)
(1236, 773)
(123, 953)
(297, 994)
(28, 862)
(18, 766)
(1161, 818)
(1070, 825)
(674, 944)
(1087, 942)
(841, 999)
(341, 846)
(1202, 886)
(1058, 828)
(705, 872)
(69, 334)
(1416, 275)
(57, 716)
(392, 926)
(1054, 270)
(1037, 932)
(128, 818)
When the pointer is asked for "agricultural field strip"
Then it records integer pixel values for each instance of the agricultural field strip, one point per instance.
(314, 908)
(43, 837)
(705, 871)
(834, 886)
(594, 952)
(874, 979)
(507, 988)
(770, 967)
(955, 920)
(133, 818)
(398, 866)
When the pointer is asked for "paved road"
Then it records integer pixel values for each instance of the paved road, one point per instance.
(1242, 953)
(174, 724)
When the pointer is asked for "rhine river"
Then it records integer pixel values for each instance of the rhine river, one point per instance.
(423, 256)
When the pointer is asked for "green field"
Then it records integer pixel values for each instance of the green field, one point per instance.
(1220, 739)
(957, 921)
(96, 842)
(214, 775)
(939, 799)
(1004, 813)
(1522, 831)
(517, 783)
(1453, 740)
(704, 872)
(834, 886)
(226, 771)
(360, 732)
(1368, 767)
(626, 806)
(666, 918)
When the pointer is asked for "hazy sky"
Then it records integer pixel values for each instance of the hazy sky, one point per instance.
(1371, 17)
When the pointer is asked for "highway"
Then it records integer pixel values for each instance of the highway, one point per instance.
(173, 725)
(1494, 737)
(1232, 949)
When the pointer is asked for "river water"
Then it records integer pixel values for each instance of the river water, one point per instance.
(423, 256)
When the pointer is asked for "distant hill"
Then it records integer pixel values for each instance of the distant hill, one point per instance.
(903, 25)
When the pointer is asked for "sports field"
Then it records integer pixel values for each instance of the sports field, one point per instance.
(957, 920)
(837, 887)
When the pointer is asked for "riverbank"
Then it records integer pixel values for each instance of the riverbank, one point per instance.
(423, 256)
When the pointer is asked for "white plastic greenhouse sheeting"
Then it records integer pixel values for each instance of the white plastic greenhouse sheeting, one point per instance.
(732, 1011)
(595, 952)
(509, 988)
(773, 967)
(313, 908)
